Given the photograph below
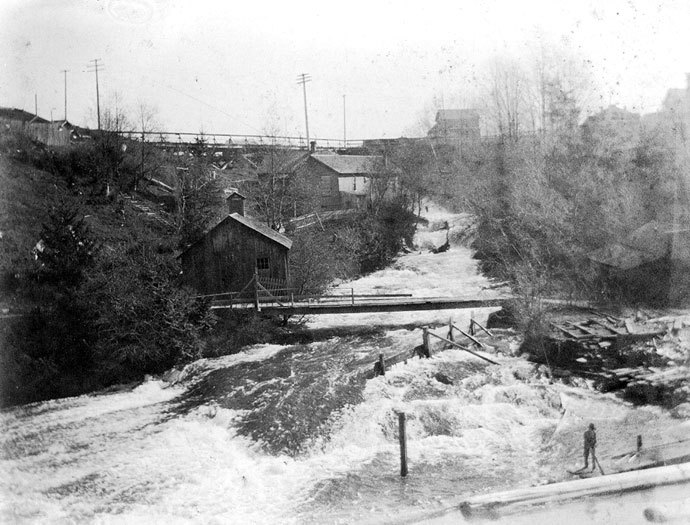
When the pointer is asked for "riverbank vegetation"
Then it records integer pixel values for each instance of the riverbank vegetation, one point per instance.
(90, 261)
(550, 185)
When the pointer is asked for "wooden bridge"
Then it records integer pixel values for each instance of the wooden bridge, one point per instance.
(287, 305)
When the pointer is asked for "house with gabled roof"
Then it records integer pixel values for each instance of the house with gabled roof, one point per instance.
(454, 126)
(344, 181)
(236, 251)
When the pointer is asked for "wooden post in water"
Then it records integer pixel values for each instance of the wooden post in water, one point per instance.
(425, 342)
(352, 292)
(639, 442)
(450, 329)
(471, 322)
(403, 444)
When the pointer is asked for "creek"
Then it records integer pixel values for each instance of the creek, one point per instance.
(296, 434)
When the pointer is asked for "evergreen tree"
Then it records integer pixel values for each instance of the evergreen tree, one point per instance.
(66, 248)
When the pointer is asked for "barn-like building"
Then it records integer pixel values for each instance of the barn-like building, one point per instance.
(228, 256)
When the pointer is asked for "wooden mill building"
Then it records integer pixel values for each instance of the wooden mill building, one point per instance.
(228, 256)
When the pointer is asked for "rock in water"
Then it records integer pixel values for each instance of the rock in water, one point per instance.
(443, 378)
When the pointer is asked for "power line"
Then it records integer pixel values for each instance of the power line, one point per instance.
(94, 68)
(202, 102)
(303, 79)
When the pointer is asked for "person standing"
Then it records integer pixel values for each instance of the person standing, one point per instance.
(590, 446)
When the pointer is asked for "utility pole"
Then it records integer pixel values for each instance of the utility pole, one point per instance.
(344, 125)
(303, 79)
(94, 67)
(64, 72)
(36, 104)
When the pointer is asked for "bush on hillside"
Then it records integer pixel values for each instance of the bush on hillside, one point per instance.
(146, 323)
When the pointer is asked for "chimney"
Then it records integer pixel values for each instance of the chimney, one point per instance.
(236, 203)
(312, 146)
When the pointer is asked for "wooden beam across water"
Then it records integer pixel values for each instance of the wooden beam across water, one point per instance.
(408, 304)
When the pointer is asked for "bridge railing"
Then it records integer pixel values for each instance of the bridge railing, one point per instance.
(232, 140)
(287, 296)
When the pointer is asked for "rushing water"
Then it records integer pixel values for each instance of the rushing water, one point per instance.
(296, 434)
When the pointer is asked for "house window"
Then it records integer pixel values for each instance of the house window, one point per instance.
(262, 263)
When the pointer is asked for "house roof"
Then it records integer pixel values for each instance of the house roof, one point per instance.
(20, 114)
(281, 161)
(235, 192)
(252, 224)
(648, 243)
(261, 228)
(621, 257)
(350, 164)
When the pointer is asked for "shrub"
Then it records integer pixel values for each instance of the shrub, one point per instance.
(146, 323)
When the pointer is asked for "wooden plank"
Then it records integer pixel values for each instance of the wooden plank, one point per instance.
(463, 348)
(486, 331)
(568, 332)
(471, 338)
(609, 327)
(587, 330)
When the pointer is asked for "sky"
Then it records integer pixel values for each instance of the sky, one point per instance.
(232, 67)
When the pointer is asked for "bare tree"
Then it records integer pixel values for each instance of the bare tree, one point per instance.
(148, 156)
(198, 195)
(282, 192)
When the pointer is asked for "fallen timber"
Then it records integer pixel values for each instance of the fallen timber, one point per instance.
(424, 350)
(495, 505)
(369, 304)
(618, 355)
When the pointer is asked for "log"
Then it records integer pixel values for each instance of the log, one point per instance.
(599, 486)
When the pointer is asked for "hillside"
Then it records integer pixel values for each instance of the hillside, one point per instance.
(98, 304)
(27, 195)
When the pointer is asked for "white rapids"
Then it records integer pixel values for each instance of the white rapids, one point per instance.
(189, 452)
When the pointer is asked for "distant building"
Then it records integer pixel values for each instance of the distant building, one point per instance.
(230, 254)
(344, 181)
(615, 127)
(651, 264)
(456, 126)
(55, 133)
(673, 119)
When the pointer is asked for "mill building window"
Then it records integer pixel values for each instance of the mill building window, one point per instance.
(262, 263)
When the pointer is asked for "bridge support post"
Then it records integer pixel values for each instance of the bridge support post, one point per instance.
(450, 329)
(402, 437)
(380, 367)
(425, 342)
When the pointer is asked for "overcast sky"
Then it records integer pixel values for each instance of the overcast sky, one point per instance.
(232, 67)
